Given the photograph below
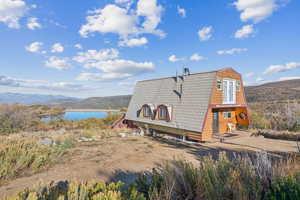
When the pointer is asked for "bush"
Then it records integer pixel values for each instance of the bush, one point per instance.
(281, 135)
(84, 191)
(220, 179)
(21, 155)
(242, 178)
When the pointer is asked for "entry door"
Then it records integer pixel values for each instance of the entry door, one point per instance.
(215, 122)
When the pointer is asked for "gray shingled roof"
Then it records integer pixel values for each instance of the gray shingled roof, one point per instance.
(188, 113)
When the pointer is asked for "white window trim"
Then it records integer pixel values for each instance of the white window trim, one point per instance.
(227, 100)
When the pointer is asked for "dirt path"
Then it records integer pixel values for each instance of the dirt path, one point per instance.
(100, 160)
(120, 158)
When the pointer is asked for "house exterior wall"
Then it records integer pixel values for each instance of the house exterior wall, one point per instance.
(217, 99)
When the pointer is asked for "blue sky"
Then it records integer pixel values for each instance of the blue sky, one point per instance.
(101, 48)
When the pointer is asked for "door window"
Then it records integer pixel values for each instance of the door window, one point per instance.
(229, 91)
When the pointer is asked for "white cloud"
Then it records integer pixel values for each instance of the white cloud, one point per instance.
(41, 84)
(205, 33)
(112, 68)
(282, 68)
(11, 11)
(289, 78)
(134, 42)
(255, 10)
(57, 48)
(35, 47)
(152, 13)
(196, 57)
(78, 46)
(181, 11)
(92, 56)
(110, 19)
(124, 21)
(259, 79)
(58, 63)
(122, 66)
(173, 58)
(33, 23)
(231, 51)
(245, 32)
(249, 74)
(102, 77)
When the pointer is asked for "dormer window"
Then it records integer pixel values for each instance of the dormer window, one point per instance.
(163, 113)
(147, 111)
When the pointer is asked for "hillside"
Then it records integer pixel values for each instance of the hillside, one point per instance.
(274, 91)
(113, 102)
(28, 99)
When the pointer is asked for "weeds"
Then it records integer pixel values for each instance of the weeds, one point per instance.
(25, 155)
(241, 179)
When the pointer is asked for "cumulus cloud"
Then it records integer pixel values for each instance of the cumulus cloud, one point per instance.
(35, 47)
(103, 77)
(33, 23)
(231, 51)
(11, 11)
(173, 58)
(249, 74)
(282, 68)
(151, 11)
(41, 84)
(122, 66)
(110, 19)
(245, 32)
(58, 63)
(196, 57)
(57, 48)
(134, 42)
(78, 46)
(112, 68)
(205, 33)
(181, 11)
(255, 10)
(92, 56)
(124, 21)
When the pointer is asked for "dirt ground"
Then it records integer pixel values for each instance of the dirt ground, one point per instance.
(119, 158)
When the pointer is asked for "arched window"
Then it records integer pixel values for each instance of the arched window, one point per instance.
(147, 112)
(162, 112)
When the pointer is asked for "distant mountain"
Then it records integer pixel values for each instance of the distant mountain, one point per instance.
(28, 99)
(274, 91)
(113, 102)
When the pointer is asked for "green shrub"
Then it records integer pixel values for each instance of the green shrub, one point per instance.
(20, 155)
(81, 191)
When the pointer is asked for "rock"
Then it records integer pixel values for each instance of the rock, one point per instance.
(84, 139)
(123, 134)
(47, 141)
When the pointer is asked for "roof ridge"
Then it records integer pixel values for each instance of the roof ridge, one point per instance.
(195, 73)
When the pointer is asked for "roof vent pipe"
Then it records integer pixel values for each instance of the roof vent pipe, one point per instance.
(186, 71)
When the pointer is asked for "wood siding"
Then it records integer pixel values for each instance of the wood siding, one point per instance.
(217, 98)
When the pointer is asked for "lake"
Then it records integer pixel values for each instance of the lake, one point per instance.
(74, 116)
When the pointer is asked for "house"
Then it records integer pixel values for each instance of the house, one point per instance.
(192, 106)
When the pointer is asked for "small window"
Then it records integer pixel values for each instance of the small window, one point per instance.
(238, 85)
(219, 84)
(163, 113)
(147, 111)
(227, 115)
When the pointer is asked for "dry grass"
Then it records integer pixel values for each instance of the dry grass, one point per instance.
(281, 135)
(242, 178)
(19, 155)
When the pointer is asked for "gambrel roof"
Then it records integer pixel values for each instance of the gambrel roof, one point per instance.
(189, 96)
